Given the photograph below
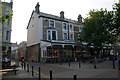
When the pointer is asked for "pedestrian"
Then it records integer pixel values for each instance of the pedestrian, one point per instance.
(119, 60)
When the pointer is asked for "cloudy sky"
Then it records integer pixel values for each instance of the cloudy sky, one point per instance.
(22, 10)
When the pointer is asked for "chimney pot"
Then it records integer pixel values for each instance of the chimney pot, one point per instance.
(62, 14)
(37, 8)
(79, 18)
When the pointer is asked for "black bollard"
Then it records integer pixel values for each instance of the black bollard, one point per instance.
(32, 71)
(15, 71)
(50, 74)
(113, 64)
(69, 62)
(75, 77)
(39, 74)
(79, 63)
(94, 64)
(27, 67)
(24, 65)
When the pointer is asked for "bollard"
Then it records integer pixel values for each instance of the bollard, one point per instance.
(94, 64)
(39, 74)
(15, 71)
(75, 77)
(32, 71)
(79, 63)
(50, 74)
(27, 67)
(24, 65)
(69, 62)
(113, 64)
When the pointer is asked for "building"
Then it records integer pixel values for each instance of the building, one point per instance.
(19, 50)
(5, 30)
(51, 38)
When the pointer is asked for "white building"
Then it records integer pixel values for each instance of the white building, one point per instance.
(51, 37)
(5, 30)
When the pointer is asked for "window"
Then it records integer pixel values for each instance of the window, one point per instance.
(7, 35)
(64, 26)
(71, 36)
(65, 36)
(52, 24)
(70, 28)
(51, 35)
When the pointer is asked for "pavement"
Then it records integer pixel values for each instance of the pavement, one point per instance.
(104, 71)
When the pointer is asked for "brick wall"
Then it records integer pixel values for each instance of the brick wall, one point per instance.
(32, 53)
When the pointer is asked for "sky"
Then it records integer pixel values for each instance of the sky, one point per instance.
(22, 10)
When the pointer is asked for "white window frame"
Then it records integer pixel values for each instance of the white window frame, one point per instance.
(72, 37)
(64, 37)
(51, 34)
(70, 29)
(66, 26)
(53, 21)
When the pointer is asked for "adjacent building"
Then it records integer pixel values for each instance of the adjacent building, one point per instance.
(52, 38)
(18, 50)
(5, 30)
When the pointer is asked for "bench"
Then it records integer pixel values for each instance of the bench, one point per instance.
(10, 70)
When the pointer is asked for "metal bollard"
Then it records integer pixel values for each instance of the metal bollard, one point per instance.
(75, 77)
(15, 72)
(69, 62)
(39, 74)
(79, 63)
(24, 65)
(50, 74)
(32, 71)
(27, 67)
(113, 64)
(94, 64)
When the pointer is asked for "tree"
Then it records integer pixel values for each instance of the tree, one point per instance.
(116, 9)
(6, 17)
(99, 28)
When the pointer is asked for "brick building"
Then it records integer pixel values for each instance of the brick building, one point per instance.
(51, 37)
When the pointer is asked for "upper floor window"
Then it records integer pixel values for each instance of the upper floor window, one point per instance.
(64, 26)
(65, 37)
(54, 35)
(71, 36)
(7, 35)
(51, 35)
(52, 23)
(70, 28)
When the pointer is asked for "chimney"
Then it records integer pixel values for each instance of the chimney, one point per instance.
(37, 8)
(79, 18)
(11, 2)
(62, 14)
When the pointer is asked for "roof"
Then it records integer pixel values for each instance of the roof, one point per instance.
(41, 14)
(6, 4)
(50, 16)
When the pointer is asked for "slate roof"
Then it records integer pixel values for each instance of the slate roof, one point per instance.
(50, 16)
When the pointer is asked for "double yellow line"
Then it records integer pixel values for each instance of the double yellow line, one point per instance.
(42, 75)
(80, 68)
